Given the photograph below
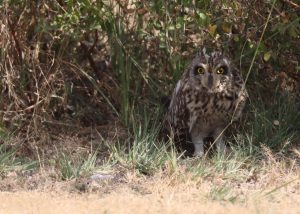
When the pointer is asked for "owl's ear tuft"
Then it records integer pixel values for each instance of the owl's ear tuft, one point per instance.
(202, 52)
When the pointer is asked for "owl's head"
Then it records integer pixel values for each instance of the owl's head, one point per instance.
(212, 71)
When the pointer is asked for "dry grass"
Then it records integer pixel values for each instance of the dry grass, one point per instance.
(219, 185)
(272, 193)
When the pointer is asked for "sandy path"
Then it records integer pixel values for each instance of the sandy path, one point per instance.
(127, 201)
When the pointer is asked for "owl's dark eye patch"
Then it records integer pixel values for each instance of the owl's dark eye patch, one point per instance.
(222, 70)
(199, 70)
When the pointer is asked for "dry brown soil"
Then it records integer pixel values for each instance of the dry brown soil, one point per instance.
(155, 196)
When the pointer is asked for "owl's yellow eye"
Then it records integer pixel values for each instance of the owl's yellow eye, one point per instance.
(221, 70)
(200, 70)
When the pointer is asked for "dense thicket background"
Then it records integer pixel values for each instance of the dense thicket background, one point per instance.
(67, 65)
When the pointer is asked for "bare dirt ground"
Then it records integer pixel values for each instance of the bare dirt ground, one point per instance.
(124, 201)
(155, 195)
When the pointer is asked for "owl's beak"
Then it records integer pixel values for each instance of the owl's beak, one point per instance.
(210, 81)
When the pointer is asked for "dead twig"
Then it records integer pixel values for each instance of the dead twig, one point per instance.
(88, 52)
(292, 3)
(13, 33)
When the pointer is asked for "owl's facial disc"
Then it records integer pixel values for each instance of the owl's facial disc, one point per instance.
(203, 76)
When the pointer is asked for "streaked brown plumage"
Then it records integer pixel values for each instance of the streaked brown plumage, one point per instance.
(208, 96)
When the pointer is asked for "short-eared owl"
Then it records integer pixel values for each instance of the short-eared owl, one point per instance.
(207, 97)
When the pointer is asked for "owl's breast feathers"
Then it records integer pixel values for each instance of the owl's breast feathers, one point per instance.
(190, 106)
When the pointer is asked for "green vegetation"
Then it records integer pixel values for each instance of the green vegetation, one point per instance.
(9, 162)
(68, 65)
(222, 194)
(74, 169)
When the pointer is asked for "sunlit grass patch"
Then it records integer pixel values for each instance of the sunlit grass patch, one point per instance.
(70, 167)
(222, 193)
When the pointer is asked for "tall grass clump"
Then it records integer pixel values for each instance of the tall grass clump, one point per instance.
(143, 152)
(73, 168)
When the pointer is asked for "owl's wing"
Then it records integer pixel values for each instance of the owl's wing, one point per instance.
(178, 113)
(241, 94)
